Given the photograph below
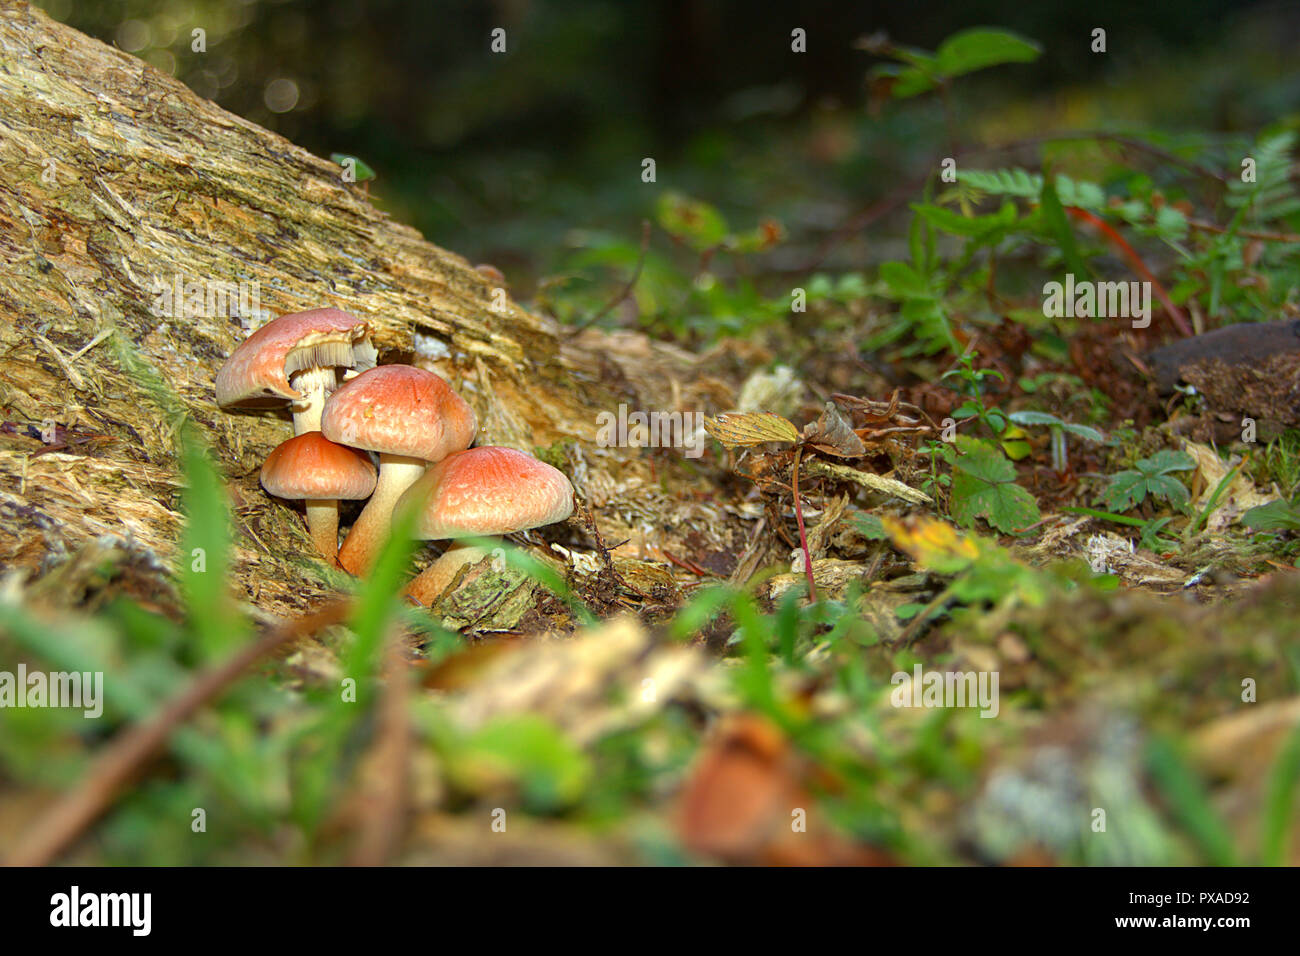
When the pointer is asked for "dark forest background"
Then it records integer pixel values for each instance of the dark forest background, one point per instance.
(515, 157)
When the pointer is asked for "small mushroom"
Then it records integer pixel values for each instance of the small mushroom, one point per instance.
(484, 491)
(313, 468)
(293, 360)
(410, 417)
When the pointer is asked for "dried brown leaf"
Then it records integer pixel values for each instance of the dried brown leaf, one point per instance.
(833, 434)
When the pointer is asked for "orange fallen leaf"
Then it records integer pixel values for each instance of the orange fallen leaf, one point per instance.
(746, 803)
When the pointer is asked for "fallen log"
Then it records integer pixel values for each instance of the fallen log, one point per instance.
(145, 232)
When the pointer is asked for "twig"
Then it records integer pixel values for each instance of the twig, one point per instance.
(626, 290)
(689, 565)
(803, 536)
(862, 219)
(58, 826)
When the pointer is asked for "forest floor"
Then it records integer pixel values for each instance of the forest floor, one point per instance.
(918, 570)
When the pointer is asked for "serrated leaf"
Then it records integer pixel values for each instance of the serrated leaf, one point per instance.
(1168, 488)
(1165, 461)
(1125, 490)
(743, 429)
(969, 226)
(1021, 184)
(1150, 476)
(981, 460)
(983, 486)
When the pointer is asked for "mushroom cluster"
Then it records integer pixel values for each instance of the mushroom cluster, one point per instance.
(346, 409)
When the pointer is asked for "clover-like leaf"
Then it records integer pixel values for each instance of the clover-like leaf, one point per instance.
(1150, 476)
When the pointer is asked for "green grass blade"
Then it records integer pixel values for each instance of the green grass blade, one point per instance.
(1279, 805)
(1189, 803)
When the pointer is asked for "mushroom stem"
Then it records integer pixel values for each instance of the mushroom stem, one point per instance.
(323, 523)
(427, 586)
(368, 535)
(315, 384)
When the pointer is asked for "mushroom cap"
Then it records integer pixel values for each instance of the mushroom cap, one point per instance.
(399, 410)
(257, 372)
(314, 468)
(488, 490)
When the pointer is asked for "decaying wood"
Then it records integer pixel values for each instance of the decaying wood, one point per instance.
(116, 180)
(1249, 371)
(1249, 344)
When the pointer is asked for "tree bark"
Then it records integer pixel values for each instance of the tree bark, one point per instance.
(116, 179)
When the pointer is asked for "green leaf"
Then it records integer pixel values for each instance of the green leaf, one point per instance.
(1168, 488)
(1059, 226)
(869, 527)
(1187, 800)
(1171, 224)
(1275, 516)
(1019, 184)
(205, 557)
(908, 81)
(904, 282)
(1030, 417)
(1165, 461)
(1126, 489)
(980, 48)
(1280, 805)
(697, 223)
(974, 227)
(983, 486)
(1150, 476)
(526, 752)
(359, 166)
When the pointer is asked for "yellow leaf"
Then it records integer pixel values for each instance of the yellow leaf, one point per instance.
(750, 428)
(933, 544)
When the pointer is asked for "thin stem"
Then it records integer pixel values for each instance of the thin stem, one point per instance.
(803, 536)
(626, 290)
